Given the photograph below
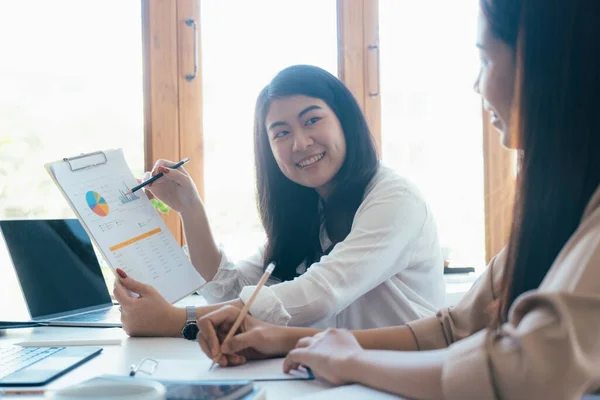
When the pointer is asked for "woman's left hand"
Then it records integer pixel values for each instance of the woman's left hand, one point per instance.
(149, 314)
(327, 354)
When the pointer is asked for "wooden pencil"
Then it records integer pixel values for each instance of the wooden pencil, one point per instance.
(244, 311)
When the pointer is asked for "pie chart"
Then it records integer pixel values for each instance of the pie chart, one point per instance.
(97, 203)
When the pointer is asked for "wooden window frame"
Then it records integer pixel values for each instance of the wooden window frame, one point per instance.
(173, 105)
(358, 57)
(358, 36)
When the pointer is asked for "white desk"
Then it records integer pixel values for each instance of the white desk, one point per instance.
(117, 359)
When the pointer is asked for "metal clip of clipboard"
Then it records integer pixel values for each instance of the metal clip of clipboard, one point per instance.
(81, 156)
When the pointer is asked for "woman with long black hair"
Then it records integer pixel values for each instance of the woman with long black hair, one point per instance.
(529, 327)
(354, 244)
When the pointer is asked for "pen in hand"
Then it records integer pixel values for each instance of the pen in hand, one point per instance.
(244, 312)
(155, 177)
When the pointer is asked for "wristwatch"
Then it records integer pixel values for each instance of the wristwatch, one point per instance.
(190, 330)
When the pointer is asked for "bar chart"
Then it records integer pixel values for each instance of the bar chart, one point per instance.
(126, 198)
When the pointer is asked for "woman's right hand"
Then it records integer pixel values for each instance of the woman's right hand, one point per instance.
(254, 340)
(176, 188)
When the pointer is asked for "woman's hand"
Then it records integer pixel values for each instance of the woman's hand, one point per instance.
(149, 314)
(176, 188)
(327, 354)
(254, 339)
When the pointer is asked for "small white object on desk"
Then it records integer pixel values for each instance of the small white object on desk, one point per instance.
(77, 337)
(117, 390)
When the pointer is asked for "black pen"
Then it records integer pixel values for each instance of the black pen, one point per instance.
(155, 177)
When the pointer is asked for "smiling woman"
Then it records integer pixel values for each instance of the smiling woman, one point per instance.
(345, 233)
(309, 147)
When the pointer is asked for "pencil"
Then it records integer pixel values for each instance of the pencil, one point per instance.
(155, 177)
(244, 311)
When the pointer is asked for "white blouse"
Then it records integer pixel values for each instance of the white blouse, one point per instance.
(388, 271)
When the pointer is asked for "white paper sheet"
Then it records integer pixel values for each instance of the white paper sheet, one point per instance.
(129, 231)
(253, 370)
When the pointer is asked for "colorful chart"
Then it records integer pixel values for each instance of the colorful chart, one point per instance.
(97, 203)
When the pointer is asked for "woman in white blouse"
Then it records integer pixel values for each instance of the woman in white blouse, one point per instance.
(355, 245)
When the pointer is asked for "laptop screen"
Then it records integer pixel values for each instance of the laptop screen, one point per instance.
(56, 265)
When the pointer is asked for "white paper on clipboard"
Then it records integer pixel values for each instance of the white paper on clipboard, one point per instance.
(126, 229)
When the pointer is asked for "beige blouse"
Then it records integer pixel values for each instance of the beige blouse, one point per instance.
(550, 346)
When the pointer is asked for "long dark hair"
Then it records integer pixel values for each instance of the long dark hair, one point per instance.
(555, 118)
(290, 212)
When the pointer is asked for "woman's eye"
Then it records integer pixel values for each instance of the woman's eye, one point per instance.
(312, 120)
(280, 134)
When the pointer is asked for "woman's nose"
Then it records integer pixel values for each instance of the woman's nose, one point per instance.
(302, 141)
(476, 85)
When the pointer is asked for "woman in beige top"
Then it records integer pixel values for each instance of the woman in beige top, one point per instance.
(530, 327)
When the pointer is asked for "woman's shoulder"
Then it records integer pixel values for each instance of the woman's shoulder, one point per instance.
(393, 201)
(387, 182)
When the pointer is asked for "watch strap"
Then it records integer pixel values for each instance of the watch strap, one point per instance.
(190, 329)
(190, 314)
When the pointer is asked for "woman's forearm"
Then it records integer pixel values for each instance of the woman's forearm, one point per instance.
(204, 253)
(289, 336)
(416, 375)
(399, 338)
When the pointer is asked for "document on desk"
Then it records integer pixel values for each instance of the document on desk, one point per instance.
(125, 228)
(263, 370)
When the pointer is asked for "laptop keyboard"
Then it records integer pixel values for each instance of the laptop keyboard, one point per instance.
(15, 358)
(108, 315)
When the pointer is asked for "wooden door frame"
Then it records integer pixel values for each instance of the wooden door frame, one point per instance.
(172, 102)
(358, 57)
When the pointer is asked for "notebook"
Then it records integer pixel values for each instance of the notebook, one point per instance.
(126, 228)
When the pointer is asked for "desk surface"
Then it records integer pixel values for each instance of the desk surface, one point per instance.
(117, 358)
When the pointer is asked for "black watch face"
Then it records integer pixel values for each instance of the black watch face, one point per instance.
(190, 331)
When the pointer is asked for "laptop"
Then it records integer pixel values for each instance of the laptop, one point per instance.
(59, 273)
(36, 366)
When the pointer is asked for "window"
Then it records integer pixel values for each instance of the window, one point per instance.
(431, 118)
(244, 44)
(70, 82)
(73, 80)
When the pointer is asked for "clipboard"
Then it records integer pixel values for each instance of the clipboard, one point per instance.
(99, 160)
(82, 158)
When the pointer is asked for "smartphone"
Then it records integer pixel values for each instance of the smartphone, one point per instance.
(208, 390)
